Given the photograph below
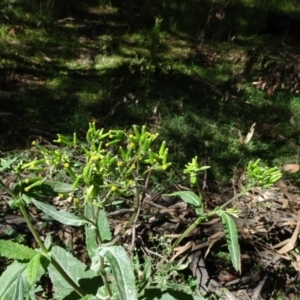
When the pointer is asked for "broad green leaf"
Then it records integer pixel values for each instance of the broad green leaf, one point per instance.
(90, 240)
(16, 251)
(89, 212)
(188, 197)
(18, 293)
(167, 294)
(103, 226)
(231, 234)
(61, 216)
(62, 187)
(9, 280)
(88, 280)
(33, 268)
(90, 231)
(122, 270)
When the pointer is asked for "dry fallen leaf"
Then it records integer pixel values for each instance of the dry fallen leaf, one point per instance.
(291, 168)
(181, 250)
(290, 242)
(249, 135)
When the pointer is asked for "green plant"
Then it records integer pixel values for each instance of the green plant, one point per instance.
(256, 176)
(92, 174)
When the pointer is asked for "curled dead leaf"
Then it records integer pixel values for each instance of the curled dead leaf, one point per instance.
(291, 168)
(249, 135)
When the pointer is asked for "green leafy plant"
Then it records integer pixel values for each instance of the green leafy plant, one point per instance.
(93, 173)
(256, 176)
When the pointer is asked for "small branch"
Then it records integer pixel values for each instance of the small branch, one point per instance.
(8, 190)
(32, 229)
(55, 264)
(233, 198)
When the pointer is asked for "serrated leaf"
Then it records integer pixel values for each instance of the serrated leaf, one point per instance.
(188, 197)
(16, 251)
(33, 268)
(231, 234)
(122, 270)
(88, 280)
(61, 216)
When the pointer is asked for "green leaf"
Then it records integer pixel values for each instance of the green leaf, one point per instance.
(147, 268)
(188, 197)
(103, 226)
(6, 163)
(62, 187)
(33, 268)
(16, 251)
(87, 279)
(61, 216)
(90, 231)
(122, 270)
(9, 280)
(90, 240)
(231, 234)
(18, 293)
(167, 294)
(89, 297)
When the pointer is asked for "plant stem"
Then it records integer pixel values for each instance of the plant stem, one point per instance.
(67, 278)
(235, 197)
(55, 264)
(32, 229)
(186, 232)
(104, 277)
(192, 227)
(8, 190)
(200, 195)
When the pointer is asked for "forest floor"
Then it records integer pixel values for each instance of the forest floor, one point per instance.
(228, 102)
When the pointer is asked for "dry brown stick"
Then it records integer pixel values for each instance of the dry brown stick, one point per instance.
(258, 289)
